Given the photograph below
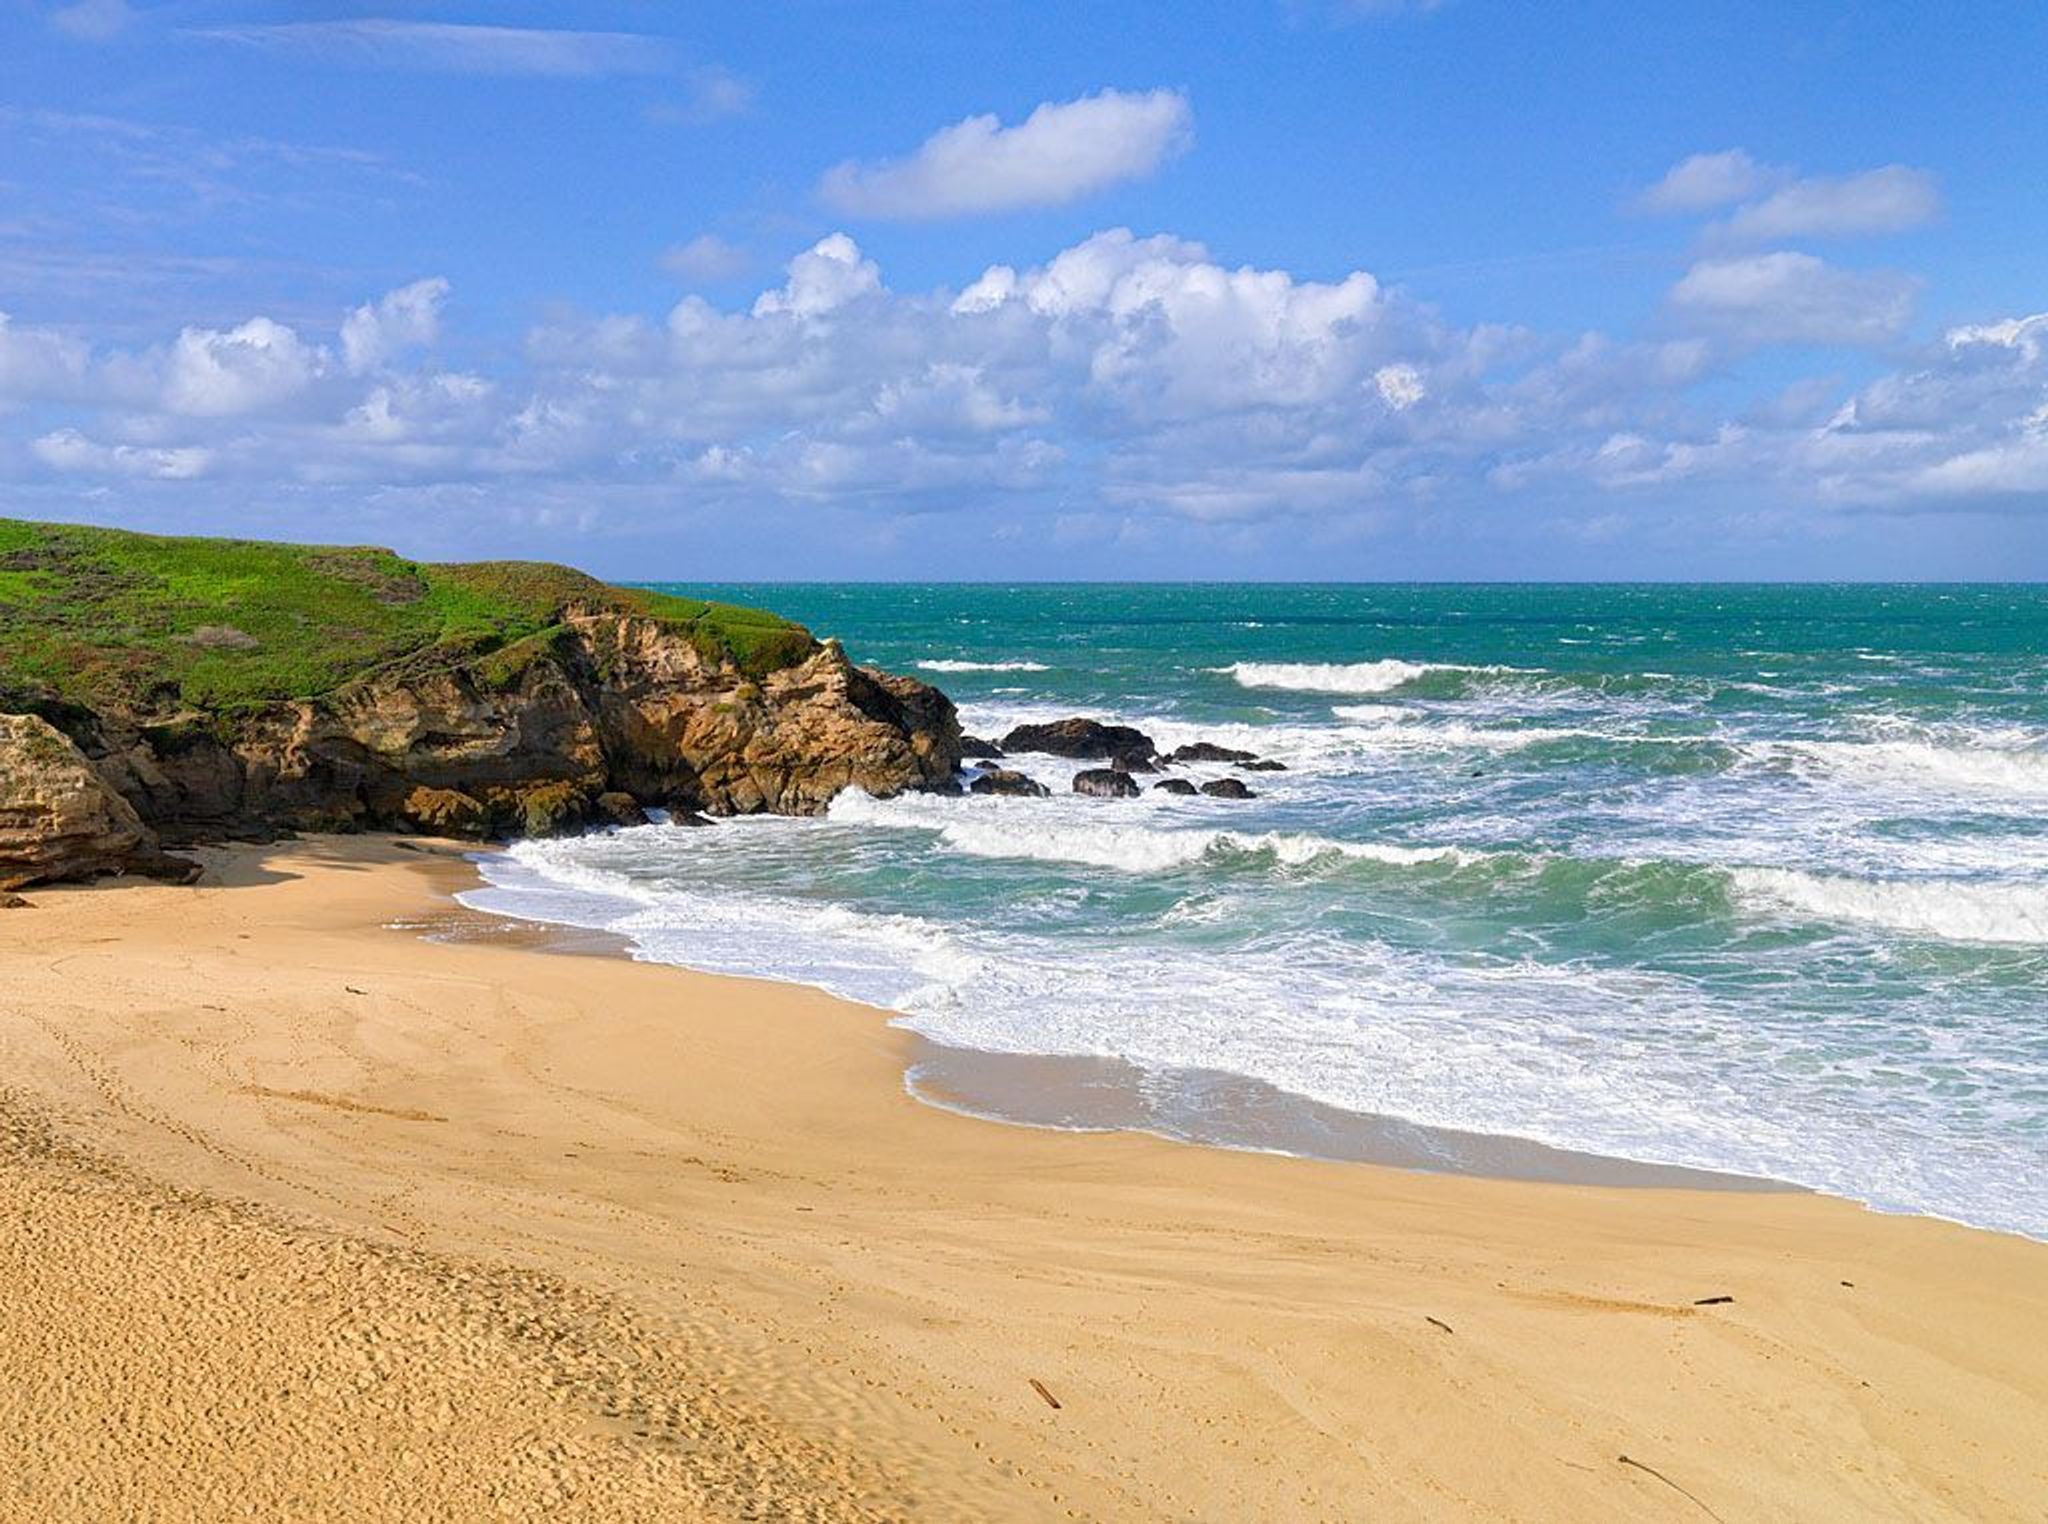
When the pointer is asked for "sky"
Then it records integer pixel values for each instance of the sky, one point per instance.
(1316, 289)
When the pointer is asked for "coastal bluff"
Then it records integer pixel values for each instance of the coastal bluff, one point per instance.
(162, 692)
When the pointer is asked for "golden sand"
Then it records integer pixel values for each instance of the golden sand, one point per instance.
(305, 1217)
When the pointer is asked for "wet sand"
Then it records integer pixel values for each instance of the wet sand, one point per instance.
(307, 1216)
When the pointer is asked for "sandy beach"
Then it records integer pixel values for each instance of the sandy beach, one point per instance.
(310, 1214)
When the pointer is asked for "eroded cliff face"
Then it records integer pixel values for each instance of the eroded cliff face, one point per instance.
(59, 818)
(605, 712)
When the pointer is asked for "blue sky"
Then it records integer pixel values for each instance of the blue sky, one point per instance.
(1276, 288)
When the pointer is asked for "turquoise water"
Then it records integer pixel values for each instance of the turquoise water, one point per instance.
(1741, 878)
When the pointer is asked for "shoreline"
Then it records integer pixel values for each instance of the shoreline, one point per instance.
(854, 1291)
(1197, 1108)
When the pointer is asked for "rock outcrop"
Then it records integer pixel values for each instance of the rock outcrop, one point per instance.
(223, 689)
(1174, 786)
(59, 819)
(527, 742)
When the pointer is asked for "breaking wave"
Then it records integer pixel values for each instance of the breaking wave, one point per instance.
(1950, 910)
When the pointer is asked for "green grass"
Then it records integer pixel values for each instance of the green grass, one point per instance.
(153, 623)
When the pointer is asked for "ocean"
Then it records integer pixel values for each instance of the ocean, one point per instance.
(1738, 878)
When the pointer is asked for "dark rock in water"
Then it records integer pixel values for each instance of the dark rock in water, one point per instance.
(1228, 788)
(1208, 751)
(973, 747)
(1086, 740)
(620, 809)
(1000, 780)
(1174, 786)
(1264, 765)
(1106, 783)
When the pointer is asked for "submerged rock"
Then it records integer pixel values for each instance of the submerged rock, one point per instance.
(1264, 765)
(1228, 788)
(1086, 740)
(1106, 783)
(1000, 780)
(1173, 786)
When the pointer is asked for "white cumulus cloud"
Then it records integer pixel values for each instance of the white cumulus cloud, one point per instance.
(1710, 180)
(396, 321)
(1887, 200)
(1063, 151)
(1126, 380)
(829, 274)
(1788, 297)
(69, 450)
(215, 373)
(37, 362)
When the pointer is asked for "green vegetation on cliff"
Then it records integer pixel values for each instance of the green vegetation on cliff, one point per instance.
(147, 622)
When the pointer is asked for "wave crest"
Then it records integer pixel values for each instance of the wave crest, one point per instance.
(1950, 910)
(1333, 677)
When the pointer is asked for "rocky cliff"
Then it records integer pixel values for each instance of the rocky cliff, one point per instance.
(202, 690)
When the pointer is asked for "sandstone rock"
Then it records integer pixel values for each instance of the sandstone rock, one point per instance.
(609, 702)
(1228, 788)
(550, 809)
(1086, 739)
(1208, 751)
(1173, 786)
(446, 812)
(59, 819)
(1000, 780)
(1105, 783)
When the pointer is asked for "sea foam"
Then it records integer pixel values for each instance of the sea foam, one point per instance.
(1006, 828)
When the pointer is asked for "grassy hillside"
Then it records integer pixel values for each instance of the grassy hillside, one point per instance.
(107, 616)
